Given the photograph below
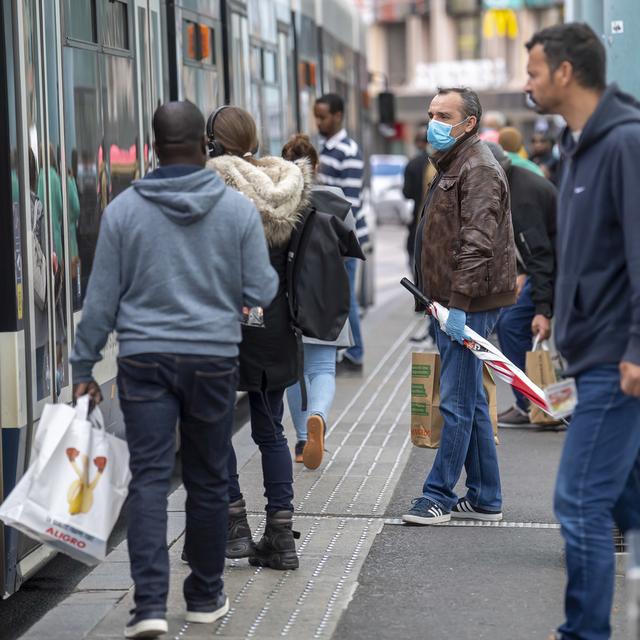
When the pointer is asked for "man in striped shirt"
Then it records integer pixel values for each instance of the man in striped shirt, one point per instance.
(341, 165)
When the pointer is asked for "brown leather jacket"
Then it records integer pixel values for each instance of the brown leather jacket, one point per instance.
(468, 252)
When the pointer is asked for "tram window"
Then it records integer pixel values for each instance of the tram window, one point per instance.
(116, 25)
(256, 62)
(80, 19)
(269, 68)
(85, 158)
(120, 123)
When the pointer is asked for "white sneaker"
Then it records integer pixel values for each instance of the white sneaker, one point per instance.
(145, 628)
(207, 617)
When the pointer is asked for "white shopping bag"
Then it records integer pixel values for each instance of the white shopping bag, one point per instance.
(74, 489)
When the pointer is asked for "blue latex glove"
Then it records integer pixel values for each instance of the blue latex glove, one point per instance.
(455, 324)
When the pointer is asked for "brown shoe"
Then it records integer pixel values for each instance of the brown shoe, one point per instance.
(299, 449)
(314, 449)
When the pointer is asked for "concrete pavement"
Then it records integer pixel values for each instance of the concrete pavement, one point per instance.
(361, 574)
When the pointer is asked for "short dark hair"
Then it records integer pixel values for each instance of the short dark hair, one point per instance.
(178, 123)
(333, 101)
(470, 102)
(578, 44)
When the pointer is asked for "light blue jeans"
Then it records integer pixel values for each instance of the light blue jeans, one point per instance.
(320, 379)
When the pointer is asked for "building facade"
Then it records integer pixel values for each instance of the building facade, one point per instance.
(419, 45)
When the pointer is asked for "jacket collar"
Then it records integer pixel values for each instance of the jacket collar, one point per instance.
(335, 139)
(444, 161)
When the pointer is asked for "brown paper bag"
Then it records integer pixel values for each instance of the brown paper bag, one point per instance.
(426, 419)
(539, 368)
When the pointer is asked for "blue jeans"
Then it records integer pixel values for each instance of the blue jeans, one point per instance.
(598, 483)
(514, 333)
(355, 353)
(155, 391)
(320, 380)
(467, 435)
(267, 408)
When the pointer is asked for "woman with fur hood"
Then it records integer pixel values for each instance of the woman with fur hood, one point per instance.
(269, 363)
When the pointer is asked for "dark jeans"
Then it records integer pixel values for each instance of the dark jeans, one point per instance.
(514, 334)
(467, 434)
(155, 391)
(267, 432)
(598, 483)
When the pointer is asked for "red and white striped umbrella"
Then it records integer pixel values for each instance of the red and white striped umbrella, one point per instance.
(485, 351)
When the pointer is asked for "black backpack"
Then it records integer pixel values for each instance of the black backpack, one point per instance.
(317, 280)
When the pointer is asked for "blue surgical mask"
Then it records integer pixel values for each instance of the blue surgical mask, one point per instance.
(439, 134)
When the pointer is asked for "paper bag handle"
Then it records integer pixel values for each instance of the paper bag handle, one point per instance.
(543, 344)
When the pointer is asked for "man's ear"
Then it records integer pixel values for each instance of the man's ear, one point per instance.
(471, 123)
(564, 73)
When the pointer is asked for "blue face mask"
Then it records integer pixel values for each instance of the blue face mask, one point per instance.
(439, 134)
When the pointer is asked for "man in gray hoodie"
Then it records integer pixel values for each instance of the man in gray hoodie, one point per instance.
(178, 256)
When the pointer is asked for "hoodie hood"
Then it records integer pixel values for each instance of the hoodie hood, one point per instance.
(184, 199)
(614, 109)
(279, 189)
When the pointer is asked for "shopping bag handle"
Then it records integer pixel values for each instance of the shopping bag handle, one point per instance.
(543, 344)
(97, 419)
(82, 407)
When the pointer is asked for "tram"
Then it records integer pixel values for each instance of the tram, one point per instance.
(79, 84)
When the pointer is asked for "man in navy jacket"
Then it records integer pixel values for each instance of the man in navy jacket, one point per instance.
(597, 307)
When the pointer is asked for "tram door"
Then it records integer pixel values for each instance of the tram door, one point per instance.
(39, 193)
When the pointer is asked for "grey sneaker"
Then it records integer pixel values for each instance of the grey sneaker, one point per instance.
(425, 511)
(513, 417)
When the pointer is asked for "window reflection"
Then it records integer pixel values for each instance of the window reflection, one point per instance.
(120, 123)
(201, 86)
(61, 261)
(80, 19)
(42, 260)
(83, 135)
(115, 31)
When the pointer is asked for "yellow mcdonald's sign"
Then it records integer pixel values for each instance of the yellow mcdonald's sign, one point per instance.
(500, 23)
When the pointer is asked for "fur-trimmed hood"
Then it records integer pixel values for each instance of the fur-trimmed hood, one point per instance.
(279, 189)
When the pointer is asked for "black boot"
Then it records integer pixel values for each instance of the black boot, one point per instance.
(239, 541)
(276, 549)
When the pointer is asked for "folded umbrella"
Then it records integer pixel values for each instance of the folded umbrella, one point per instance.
(485, 351)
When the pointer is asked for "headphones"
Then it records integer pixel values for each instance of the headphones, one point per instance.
(215, 148)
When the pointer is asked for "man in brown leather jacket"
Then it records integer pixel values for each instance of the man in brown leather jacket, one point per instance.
(467, 263)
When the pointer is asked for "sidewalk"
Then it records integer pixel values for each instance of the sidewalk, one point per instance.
(362, 574)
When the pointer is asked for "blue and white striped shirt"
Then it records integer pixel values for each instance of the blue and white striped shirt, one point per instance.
(341, 165)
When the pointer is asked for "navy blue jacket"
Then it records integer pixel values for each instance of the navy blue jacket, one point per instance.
(597, 294)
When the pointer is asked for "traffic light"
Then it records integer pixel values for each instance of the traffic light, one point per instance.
(386, 107)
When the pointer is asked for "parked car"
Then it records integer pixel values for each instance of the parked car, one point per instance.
(387, 177)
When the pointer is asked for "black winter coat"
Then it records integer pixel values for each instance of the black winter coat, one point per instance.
(533, 212)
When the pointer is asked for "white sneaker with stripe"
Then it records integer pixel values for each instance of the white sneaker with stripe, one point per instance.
(464, 510)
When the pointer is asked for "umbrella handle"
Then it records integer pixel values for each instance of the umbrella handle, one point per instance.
(409, 286)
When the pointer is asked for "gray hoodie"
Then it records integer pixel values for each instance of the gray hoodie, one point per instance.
(176, 260)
